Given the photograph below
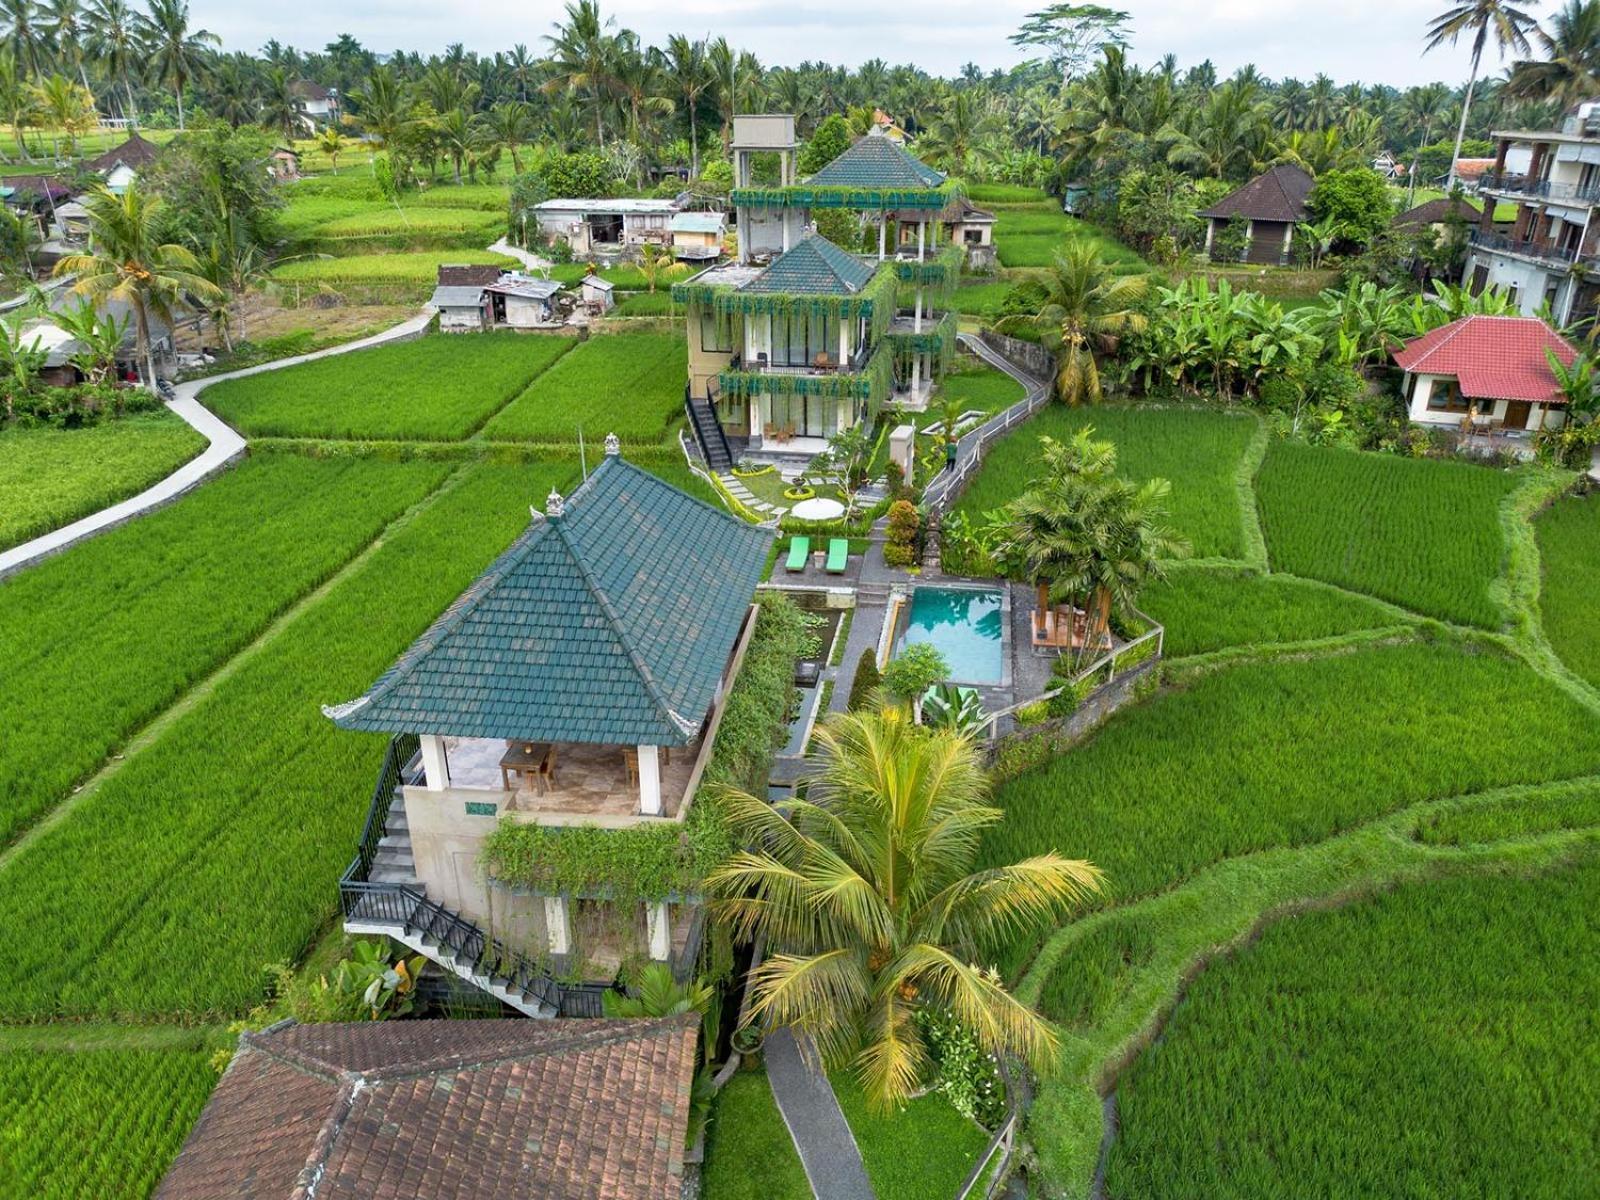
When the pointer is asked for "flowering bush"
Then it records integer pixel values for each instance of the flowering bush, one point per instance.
(968, 1075)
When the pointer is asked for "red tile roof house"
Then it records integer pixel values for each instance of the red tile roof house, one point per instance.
(450, 1110)
(1494, 365)
(1270, 206)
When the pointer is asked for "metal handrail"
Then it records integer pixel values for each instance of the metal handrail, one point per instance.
(1542, 189)
(402, 748)
(1532, 249)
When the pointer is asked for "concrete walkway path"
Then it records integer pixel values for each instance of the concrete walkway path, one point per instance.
(827, 1148)
(532, 261)
(225, 447)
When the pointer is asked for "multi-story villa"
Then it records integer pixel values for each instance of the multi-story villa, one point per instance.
(798, 339)
(1551, 255)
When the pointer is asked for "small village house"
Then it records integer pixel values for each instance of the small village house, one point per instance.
(518, 301)
(597, 227)
(318, 105)
(579, 682)
(461, 308)
(1267, 208)
(122, 164)
(1489, 372)
(284, 164)
(470, 1109)
(697, 236)
(964, 225)
(598, 295)
(471, 298)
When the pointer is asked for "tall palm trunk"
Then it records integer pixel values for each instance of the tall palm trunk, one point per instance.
(1466, 107)
(694, 144)
(141, 326)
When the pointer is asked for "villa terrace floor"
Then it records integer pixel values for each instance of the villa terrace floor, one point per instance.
(589, 780)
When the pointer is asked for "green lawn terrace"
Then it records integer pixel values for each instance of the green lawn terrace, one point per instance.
(628, 603)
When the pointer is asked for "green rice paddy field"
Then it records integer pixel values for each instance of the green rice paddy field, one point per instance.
(630, 384)
(52, 477)
(1569, 599)
(442, 387)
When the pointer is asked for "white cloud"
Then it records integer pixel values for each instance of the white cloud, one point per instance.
(1368, 40)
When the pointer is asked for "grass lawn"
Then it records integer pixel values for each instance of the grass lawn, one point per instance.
(646, 304)
(437, 388)
(1288, 753)
(99, 1120)
(975, 386)
(1029, 236)
(630, 384)
(1569, 548)
(1437, 1040)
(1419, 533)
(749, 1154)
(979, 299)
(100, 639)
(923, 1150)
(1199, 452)
(215, 849)
(1209, 608)
(51, 477)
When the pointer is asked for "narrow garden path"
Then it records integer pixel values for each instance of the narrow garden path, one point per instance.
(226, 446)
(532, 261)
(822, 1136)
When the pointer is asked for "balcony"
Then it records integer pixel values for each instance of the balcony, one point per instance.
(1522, 186)
(1543, 252)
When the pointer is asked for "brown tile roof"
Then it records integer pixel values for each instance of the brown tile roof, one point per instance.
(451, 1110)
(1276, 195)
(136, 152)
(461, 275)
(1437, 210)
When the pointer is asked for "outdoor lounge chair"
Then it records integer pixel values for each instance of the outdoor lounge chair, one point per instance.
(799, 551)
(838, 552)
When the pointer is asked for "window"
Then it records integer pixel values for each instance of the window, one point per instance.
(1446, 397)
(800, 336)
(716, 333)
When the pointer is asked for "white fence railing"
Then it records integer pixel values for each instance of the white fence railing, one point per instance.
(972, 445)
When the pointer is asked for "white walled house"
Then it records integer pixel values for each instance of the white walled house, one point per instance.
(1490, 371)
(606, 227)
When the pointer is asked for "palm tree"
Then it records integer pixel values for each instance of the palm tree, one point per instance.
(176, 54)
(657, 263)
(68, 107)
(383, 105)
(22, 35)
(684, 63)
(1571, 70)
(18, 101)
(1080, 533)
(113, 42)
(279, 108)
(331, 144)
(126, 263)
(1482, 18)
(1085, 310)
(63, 23)
(865, 893)
(583, 58)
(958, 137)
(510, 124)
(460, 134)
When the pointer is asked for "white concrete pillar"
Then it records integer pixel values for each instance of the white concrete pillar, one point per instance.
(650, 780)
(844, 340)
(1210, 229)
(660, 931)
(1288, 237)
(916, 326)
(785, 213)
(922, 230)
(883, 233)
(558, 924)
(435, 764)
(916, 372)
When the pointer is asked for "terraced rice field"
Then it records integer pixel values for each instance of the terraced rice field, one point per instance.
(1289, 753)
(52, 477)
(1422, 534)
(442, 387)
(630, 384)
(100, 639)
(1438, 1040)
(1569, 597)
(1198, 452)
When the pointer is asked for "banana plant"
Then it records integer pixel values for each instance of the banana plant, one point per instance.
(947, 706)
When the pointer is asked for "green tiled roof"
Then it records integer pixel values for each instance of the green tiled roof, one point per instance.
(814, 267)
(610, 623)
(877, 162)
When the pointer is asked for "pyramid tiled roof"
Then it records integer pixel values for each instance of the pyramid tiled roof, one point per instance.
(1493, 358)
(814, 266)
(609, 623)
(876, 161)
(136, 152)
(1276, 195)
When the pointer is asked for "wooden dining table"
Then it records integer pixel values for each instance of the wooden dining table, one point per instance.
(523, 758)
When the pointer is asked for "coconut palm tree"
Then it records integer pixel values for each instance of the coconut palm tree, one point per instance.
(176, 53)
(1483, 19)
(332, 144)
(1086, 309)
(685, 66)
(510, 124)
(67, 106)
(113, 42)
(383, 105)
(1570, 71)
(583, 58)
(19, 27)
(865, 893)
(18, 101)
(126, 262)
(63, 23)
(278, 108)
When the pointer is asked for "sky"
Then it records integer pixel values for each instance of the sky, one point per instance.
(1373, 41)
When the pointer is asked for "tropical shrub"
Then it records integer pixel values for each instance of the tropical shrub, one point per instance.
(904, 525)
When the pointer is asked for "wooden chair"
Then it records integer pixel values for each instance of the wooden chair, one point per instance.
(630, 759)
(547, 771)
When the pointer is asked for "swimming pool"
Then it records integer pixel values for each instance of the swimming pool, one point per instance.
(966, 625)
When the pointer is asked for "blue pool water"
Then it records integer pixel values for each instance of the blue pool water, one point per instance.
(964, 625)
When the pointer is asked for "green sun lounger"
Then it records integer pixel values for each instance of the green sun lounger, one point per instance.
(838, 552)
(799, 551)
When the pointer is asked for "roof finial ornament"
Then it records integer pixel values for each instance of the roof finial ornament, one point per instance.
(554, 506)
(613, 445)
